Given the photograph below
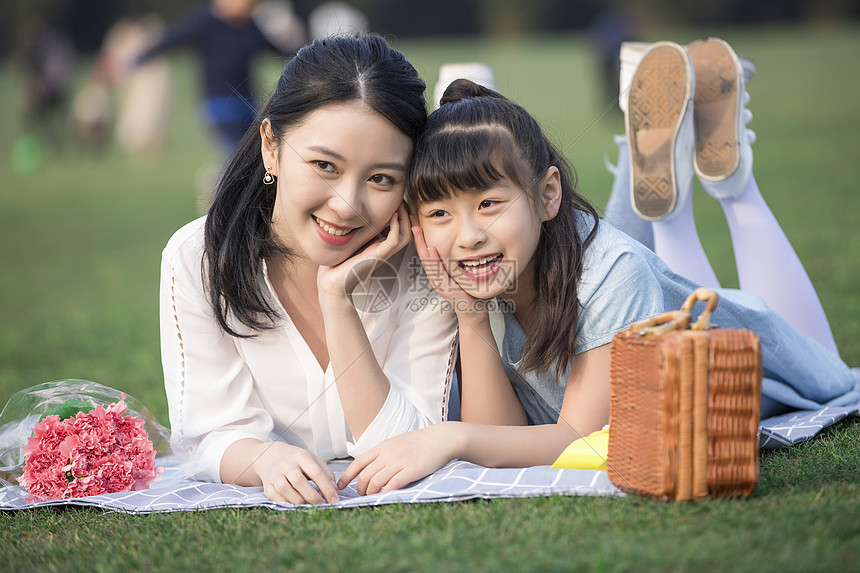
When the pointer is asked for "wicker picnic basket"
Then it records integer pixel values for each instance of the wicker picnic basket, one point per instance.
(685, 407)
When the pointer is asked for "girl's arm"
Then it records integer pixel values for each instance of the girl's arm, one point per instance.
(487, 395)
(407, 458)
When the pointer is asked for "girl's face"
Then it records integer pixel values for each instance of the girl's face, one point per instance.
(340, 177)
(486, 240)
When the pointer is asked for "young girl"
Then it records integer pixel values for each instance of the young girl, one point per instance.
(499, 217)
(271, 367)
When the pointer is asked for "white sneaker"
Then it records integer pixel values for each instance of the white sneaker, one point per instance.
(723, 159)
(481, 74)
(659, 126)
(631, 54)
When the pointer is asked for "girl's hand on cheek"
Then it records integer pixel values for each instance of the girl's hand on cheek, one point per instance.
(401, 460)
(464, 304)
(338, 281)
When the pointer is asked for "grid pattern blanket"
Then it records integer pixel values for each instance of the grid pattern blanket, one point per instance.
(457, 481)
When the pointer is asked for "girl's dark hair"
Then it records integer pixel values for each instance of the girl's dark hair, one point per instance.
(474, 139)
(238, 233)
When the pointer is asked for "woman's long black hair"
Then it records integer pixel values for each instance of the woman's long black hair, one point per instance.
(474, 139)
(238, 234)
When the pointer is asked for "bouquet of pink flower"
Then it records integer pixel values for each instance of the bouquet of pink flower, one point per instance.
(76, 446)
(101, 451)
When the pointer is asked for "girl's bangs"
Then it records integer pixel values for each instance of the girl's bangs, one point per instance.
(457, 160)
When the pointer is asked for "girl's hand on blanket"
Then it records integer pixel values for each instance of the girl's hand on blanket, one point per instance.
(464, 304)
(401, 460)
(286, 472)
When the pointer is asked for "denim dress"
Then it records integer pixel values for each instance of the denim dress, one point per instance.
(624, 282)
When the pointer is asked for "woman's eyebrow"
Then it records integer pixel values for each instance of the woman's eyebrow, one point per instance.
(335, 155)
(326, 151)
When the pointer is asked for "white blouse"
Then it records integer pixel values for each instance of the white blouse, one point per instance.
(221, 388)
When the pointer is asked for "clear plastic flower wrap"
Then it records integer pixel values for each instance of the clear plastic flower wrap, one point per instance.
(106, 439)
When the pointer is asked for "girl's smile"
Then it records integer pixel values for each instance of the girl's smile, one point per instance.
(480, 267)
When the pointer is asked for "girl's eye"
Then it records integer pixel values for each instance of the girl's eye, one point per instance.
(325, 166)
(382, 179)
(486, 203)
(437, 213)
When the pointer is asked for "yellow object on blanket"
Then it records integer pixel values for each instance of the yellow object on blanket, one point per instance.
(588, 453)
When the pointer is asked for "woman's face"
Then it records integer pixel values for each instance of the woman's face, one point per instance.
(340, 175)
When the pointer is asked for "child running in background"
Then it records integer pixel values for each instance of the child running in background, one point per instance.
(540, 286)
(226, 37)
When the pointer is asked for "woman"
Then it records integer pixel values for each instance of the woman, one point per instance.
(270, 368)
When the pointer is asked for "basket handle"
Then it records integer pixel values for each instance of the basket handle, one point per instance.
(704, 294)
(666, 322)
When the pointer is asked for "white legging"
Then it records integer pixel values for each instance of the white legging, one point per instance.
(766, 262)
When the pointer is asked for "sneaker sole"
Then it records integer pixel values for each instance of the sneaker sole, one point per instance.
(658, 98)
(716, 107)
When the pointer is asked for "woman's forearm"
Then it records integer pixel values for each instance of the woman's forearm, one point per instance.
(237, 463)
(361, 382)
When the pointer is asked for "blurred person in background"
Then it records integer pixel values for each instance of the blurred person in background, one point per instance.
(226, 36)
(606, 33)
(142, 93)
(48, 60)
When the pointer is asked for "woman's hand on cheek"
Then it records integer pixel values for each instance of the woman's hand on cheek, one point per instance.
(338, 281)
(287, 471)
(401, 460)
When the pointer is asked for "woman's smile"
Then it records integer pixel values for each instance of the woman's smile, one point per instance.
(332, 234)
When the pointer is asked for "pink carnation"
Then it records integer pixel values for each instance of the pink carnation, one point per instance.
(101, 451)
(48, 434)
(89, 485)
(115, 474)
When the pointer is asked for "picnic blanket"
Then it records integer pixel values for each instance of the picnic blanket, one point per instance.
(457, 481)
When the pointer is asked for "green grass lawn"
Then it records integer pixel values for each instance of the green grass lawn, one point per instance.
(80, 244)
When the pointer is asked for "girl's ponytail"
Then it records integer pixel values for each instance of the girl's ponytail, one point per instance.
(463, 88)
